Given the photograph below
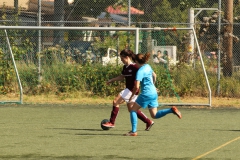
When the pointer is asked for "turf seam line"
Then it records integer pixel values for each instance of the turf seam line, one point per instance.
(216, 149)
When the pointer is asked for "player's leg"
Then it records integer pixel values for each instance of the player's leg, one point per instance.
(134, 120)
(115, 109)
(153, 104)
(160, 113)
(141, 116)
(126, 94)
(141, 102)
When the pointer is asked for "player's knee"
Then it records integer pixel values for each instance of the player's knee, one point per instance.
(153, 116)
(129, 106)
(115, 103)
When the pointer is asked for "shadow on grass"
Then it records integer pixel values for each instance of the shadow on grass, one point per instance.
(234, 130)
(38, 156)
(84, 129)
(107, 134)
(77, 129)
(94, 132)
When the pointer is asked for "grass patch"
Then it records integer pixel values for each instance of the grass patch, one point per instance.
(63, 131)
(89, 99)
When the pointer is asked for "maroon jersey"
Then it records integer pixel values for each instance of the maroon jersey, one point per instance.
(129, 73)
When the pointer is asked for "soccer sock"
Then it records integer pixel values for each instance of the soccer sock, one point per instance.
(134, 120)
(142, 116)
(114, 114)
(163, 112)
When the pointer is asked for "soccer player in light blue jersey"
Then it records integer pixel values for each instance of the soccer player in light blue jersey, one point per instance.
(148, 97)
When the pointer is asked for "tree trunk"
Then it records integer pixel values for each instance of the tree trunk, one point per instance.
(228, 40)
(16, 5)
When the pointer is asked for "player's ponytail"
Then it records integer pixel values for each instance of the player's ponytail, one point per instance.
(146, 57)
(141, 58)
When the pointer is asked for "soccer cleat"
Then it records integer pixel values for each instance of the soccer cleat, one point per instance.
(108, 124)
(131, 134)
(177, 112)
(149, 125)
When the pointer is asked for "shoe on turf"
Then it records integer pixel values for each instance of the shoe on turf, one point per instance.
(149, 125)
(108, 124)
(177, 112)
(131, 134)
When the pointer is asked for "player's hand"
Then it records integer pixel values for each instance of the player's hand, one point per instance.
(108, 82)
(157, 90)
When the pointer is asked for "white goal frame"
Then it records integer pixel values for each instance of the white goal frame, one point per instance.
(136, 30)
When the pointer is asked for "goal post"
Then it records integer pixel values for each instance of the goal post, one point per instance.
(20, 101)
(138, 48)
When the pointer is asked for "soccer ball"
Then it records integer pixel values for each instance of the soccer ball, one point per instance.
(103, 122)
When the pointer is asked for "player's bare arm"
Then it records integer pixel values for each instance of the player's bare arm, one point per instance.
(154, 77)
(118, 78)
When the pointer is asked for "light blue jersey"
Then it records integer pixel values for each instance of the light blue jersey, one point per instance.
(148, 95)
(144, 75)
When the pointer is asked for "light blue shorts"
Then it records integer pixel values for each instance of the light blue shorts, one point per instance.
(150, 101)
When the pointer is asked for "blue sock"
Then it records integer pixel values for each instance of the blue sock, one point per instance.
(134, 120)
(163, 112)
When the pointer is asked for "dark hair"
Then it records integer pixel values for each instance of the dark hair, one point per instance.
(126, 53)
(165, 52)
(141, 58)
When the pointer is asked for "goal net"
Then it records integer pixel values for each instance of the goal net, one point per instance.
(66, 59)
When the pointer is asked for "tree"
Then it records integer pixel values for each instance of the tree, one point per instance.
(228, 40)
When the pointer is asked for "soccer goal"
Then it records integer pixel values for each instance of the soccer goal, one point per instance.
(176, 56)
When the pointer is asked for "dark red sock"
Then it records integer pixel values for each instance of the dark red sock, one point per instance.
(114, 114)
(142, 116)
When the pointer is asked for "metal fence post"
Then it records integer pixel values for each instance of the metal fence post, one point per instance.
(219, 49)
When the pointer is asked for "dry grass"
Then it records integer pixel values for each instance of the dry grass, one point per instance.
(87, 99)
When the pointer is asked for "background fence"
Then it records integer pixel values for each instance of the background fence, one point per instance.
(216, 23)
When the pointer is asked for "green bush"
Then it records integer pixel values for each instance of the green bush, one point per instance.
(68, 78)
(29, 78)
(7, 74)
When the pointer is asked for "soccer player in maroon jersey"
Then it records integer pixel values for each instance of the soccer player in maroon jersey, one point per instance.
(129, 74)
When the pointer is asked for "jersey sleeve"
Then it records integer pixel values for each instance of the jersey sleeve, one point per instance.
(139, 75)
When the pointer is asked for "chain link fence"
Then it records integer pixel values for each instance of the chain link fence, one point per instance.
(216, 24)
